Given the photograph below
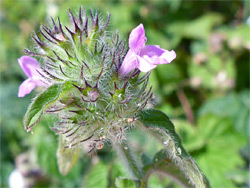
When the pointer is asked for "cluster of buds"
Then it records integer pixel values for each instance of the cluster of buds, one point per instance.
(104, 86)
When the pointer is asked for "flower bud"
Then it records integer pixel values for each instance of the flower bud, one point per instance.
(93, 95)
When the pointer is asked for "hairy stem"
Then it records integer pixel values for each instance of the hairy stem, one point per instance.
(128, 159)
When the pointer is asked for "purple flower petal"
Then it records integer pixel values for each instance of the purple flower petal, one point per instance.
(145, 64)
(137, 38)
(157, 55)
(145, 58)
(26, 87)
(29, 65)
(130, 62)
(169, 55)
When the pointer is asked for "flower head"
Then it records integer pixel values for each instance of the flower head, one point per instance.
(30, 67)
(81, 62)
(145, 58)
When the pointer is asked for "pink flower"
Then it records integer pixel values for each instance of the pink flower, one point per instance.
(145, 58)
(30, 67)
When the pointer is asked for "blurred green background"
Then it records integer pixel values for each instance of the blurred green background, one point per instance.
(205, 91)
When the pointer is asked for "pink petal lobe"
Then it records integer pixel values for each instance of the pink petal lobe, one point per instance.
(157, 55)
(137, 38)
(26, 87)
(129, 63)
(169, 55)
(29, 65)
(145, 64)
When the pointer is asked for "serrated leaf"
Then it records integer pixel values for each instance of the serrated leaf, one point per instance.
(218, 140)
(235, 107)
(159, 125)
(66, 157)
(125, 182)
(223, 106)
(39, 104)
(221, 141)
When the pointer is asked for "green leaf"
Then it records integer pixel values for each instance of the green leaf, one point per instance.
(117, 169)
(223, 106)
(157, 180)
(125, 182)
(242, 118)
(97, 176)
(159, 125)
(164, 164)
(191, 139)
(221, 141)
(66, 157)
(188, 29)
(39, 104)
(44, 144)
(209, 142)
(234, 106)
(156, 119)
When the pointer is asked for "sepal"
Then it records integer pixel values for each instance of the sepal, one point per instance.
(66, 157)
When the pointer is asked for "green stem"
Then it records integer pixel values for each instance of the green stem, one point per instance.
(128, 159)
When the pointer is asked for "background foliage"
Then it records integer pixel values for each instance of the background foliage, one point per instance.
(205, 91)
